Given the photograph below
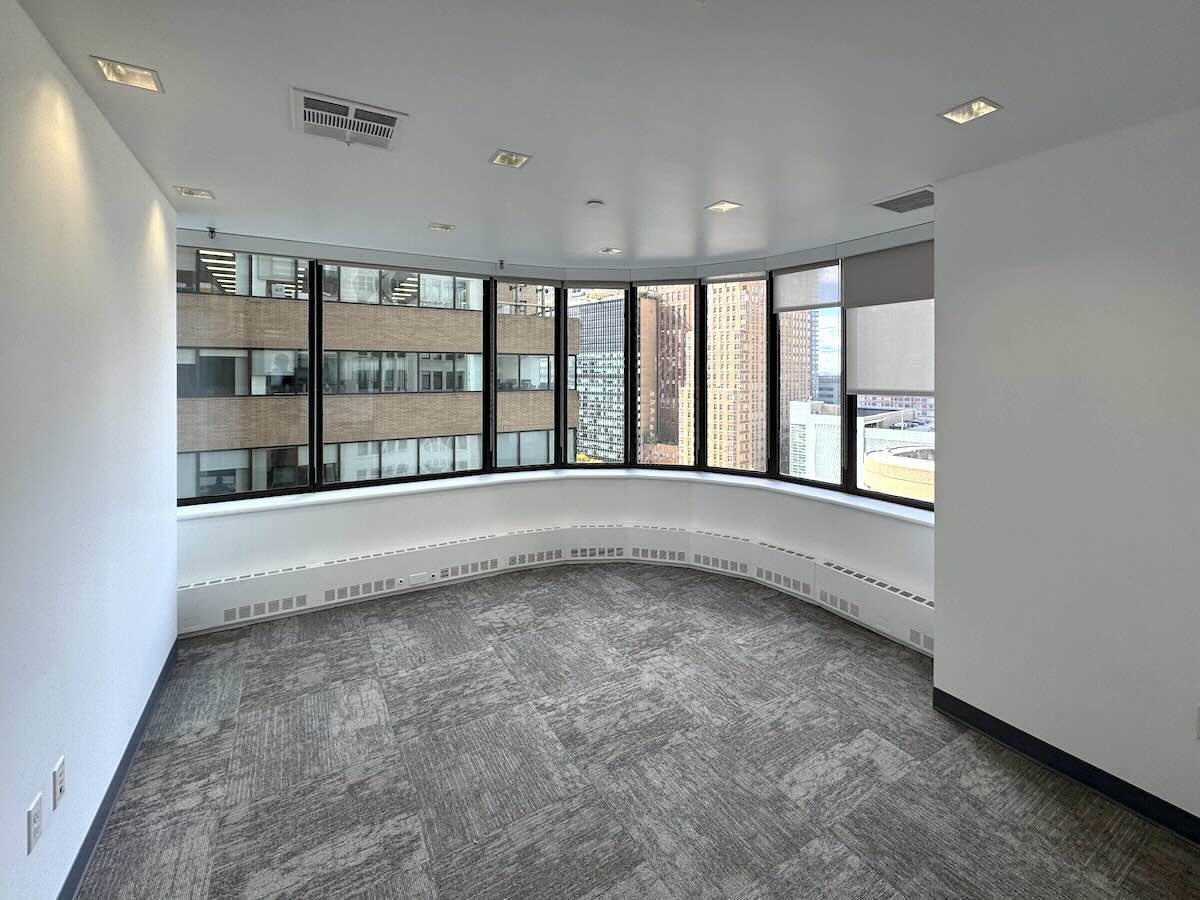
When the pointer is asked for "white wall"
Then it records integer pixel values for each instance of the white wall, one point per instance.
(87, 537)
(1068, 371)
(221, 540)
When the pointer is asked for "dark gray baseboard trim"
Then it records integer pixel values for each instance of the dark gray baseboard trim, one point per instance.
(75, 877)
(1141, 802)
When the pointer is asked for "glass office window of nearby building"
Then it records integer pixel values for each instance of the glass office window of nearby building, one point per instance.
(402, 373)
(526, 341)
(889, 370)
(736, 392)
(210, 271)
(666, 369)
(808, 325)
(596, 374)
(399, 287)
(242, 373)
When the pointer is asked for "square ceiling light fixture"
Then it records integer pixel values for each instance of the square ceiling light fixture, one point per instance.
(971, 110)
(510, 158)
(127, 73)
(194, 193)
(723, 206)
(440, 226)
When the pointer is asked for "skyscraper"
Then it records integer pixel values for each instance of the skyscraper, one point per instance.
(599, 373)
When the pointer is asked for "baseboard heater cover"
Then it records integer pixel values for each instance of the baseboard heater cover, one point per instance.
(232, 601)
(1135, 798)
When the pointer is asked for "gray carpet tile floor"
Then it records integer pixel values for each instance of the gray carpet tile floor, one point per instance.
(595, 731)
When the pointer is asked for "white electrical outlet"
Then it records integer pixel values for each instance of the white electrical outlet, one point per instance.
(33, 823)
(59, 778)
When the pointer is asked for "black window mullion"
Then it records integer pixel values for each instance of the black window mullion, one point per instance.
(849, 419)
(700, 377)
(561, 348)
(774, 438)
(631, 375)
(488, 435)
(316, 386)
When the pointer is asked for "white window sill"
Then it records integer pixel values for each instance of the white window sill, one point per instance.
(469, 482)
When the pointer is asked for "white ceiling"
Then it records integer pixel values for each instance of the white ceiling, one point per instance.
(806, 112)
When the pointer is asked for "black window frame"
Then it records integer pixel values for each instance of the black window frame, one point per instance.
(559, 364)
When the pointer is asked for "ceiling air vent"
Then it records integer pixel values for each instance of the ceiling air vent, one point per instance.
(347, 121)
(909, 200)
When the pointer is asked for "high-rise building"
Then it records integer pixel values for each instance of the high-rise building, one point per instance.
(666, 390)
(797, 363)
(598, 369)
(736, 390)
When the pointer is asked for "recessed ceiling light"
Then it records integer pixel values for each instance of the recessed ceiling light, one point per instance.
(440, 226)
(611, 251)
(971, 110)
(193, 193)
(723, 206)
(510, 158)
(127, 73)
(594, 203)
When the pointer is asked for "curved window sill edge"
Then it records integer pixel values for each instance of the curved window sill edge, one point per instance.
(378, 492)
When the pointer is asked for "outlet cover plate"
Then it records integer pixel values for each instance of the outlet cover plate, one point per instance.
(59, 778)
(33, 823)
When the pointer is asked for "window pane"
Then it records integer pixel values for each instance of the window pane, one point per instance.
(508, 372)
(359, 285)
(468, 293)
(468, 452)
(666, 349)
(536, 373)
(187, 475)
(437, 291)
(598, 374)
(329, 463)
(185, 269)
(535, 448)
(437, 372)
(506, 449)
(399, 372)
(212, 372)
(358, 372)
(224, 472)
(279, 467)
(233, 436)
(737, 375)
(525, 344)
(437, 455)
(358, 461)
(399, 458)
(330, 282)
(278, 372)
(399, 288)
(405, 349)
(223, 272)
(894, 435)
(471, 366)
(810, 394)
(281, 277)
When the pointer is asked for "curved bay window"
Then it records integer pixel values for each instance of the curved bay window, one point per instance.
(820, 373)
